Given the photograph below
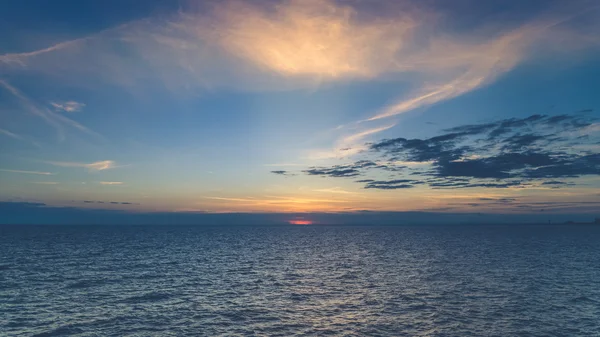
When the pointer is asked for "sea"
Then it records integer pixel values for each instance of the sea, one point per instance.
(442, 280)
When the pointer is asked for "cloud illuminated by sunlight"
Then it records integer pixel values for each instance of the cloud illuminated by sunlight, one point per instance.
(300, 43)
(111, 183)
(95, 166)
(279, 203)
(68, 106)
(311, 37)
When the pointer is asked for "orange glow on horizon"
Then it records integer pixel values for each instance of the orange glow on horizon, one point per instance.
(300, 222)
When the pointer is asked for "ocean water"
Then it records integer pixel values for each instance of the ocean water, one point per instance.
(300, 281)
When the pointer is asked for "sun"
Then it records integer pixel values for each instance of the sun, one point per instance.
(300, 221)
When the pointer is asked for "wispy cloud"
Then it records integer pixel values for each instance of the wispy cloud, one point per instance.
(262, 46)
(336, 190)
(348, 145)
(95, 166)
(21, 58)
(10, 134)
(68, 106)
(353, 139)
(19, 137)
(297, 43)
(27, 172)
(45, 182)
(111, 183)
(53, 119)
(454, 67)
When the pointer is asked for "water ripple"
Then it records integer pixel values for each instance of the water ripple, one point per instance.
(299, 281)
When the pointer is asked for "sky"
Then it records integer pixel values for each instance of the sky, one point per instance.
(300, 107)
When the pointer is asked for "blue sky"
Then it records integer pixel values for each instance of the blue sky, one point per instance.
(301, 106)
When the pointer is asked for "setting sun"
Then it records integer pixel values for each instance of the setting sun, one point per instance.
(300, 221)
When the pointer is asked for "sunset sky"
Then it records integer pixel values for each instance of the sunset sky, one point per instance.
(301, 105)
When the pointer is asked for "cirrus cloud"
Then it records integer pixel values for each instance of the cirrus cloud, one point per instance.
(95, 166)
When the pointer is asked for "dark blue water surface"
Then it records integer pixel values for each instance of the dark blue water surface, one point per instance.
(300, 280)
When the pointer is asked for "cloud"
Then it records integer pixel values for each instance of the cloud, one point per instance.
(282, 173)
(111, 183)
(391, 184)
(95, 166)
(109, 202)
(53, 119)
(27, 172)
(45, 182)
(530, 152)
(454, 67)
(20, 58)
(10, 134)
(349, 145)
(341, 171)
(294, 44)
(18, 137)
(335, 172)
(314, 38)
(68, 106)
(336, 190)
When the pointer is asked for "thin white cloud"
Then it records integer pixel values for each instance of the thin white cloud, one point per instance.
(27, 172)
(10, 134)
(111, 183)
(68, 106)
(95, 166)
(45, 182)
(19, 137)
(20, 58)
(336, 190)
(483, 64)
(53, 119)
(352, 139)
(348, 145)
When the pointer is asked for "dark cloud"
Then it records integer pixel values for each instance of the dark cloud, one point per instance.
(283, 173)
(519, 142)
(514, 152)
(108, 202)
(496, 167)
(553, 182)
(499, 200)
(342, 171)
(421, 150)
(333, 172)
(391, 184)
